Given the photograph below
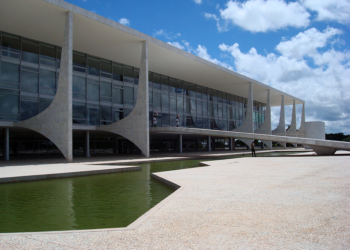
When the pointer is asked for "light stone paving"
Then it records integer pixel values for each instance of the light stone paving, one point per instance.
(245, 203)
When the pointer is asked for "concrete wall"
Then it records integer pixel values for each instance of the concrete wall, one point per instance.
(315, 130)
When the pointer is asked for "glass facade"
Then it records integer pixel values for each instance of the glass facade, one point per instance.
(105, 91)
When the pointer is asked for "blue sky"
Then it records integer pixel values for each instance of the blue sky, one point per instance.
(300, 47)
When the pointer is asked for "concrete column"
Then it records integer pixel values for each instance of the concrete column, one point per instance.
(281, 128)
(116, 141)
(180, 143)
(209, 143)
(230, 143)
(6, 150)
(301, 131)
(292, 130)
(87, 144)
(135, 126)
(265, 128)
(248, 124)
(55, 122)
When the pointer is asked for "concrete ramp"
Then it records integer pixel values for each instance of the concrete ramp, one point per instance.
(321, 147)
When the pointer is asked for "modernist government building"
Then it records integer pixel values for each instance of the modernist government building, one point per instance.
(76, 83)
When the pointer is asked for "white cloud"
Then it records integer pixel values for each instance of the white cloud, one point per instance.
(306, 43)
(333, 10)
(324, 87)
(263, 15)
(166, 35)
(202, 52)
(221, 27)
(198, 1)
(124, 21)
(177, 45)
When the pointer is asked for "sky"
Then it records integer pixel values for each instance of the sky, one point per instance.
(299, 47)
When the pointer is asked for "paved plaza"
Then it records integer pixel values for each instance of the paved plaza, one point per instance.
(296, 202)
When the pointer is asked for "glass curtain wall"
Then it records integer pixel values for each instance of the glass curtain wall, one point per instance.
(106, 91)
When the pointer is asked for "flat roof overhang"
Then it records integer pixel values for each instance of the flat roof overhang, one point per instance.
(43, 20)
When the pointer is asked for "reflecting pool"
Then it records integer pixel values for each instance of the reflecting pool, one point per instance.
(99, 201)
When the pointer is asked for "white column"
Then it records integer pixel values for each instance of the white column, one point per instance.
(6, 150)
(209, 143)
(55, 122)
(135, 127)
(180, 143)
(87, 144)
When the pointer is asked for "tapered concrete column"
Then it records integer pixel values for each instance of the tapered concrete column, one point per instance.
(301, 131)
(135, 126)
(265, 128)
(209, 143)
(87, 144)
(180, 143)
(248, 124)
(281, 128)
(55, 122)
(6, 150)
(292, 130)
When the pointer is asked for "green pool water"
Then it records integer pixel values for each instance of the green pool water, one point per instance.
(91, 202)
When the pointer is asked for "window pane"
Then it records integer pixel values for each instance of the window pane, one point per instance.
(48, 56)
(165, 119)
(79, 85)
(117, 96)
(193, 106)
(165, 84)
(172, 85)
(9, 72)
(29, 81)
(47, 79)
(199, 108)
(106, 113)
(11, 43)
(187, 106)
(117, 73)
(180, 104)
(93, 92)
(9, 104)
(156, 81)
(30, 52)
(173, 104)
(165, 99)
(205, 108)
(79, 111)
(128, 93)
(79, 60)
(106, 89)
(93, 115)
(28, 109)
(93, 67)
(128, 72)
(48, 53)
(156, 101)
(106, 67)
(117, 115)
(44, 104)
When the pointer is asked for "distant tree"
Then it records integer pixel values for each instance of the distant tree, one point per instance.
(336, 137)
(347, 139)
